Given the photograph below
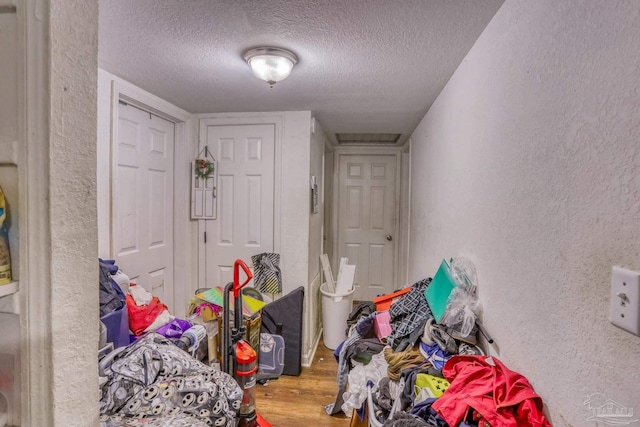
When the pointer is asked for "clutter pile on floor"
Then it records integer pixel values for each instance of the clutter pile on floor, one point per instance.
(156, 380)
(159, 370)
(147, 376)
(412, 359)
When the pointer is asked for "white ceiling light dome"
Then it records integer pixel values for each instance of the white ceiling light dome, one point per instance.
(271, 64)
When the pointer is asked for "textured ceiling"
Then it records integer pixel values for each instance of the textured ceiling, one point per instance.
(365, 66)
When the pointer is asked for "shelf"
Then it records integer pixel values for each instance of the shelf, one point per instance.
(9, 289)
(9, 301)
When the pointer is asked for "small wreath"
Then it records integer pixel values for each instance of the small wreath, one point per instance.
(203, 168)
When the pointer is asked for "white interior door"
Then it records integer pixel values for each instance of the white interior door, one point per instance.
(366, 221)
(245, 197)
(142, 200)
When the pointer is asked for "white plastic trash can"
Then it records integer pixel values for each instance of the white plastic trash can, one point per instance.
(335, 312)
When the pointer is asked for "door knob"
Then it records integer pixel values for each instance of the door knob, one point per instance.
(389, 238)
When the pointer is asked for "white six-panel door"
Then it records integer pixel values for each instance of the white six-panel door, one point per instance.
(245, 197)
(366, 221)
(142, 200)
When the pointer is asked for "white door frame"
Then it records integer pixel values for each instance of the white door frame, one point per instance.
(367, 151)
(132, 95)
(234, 119)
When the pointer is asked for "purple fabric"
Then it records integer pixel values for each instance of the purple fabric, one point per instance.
(174, 329)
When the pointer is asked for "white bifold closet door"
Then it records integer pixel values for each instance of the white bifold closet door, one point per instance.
(142, 200)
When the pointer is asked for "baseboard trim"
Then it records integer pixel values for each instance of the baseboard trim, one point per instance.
(307, 359)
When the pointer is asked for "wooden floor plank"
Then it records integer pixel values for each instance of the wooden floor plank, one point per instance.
(300, 401)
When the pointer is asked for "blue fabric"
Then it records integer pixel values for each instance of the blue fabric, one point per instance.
(110, 264)
(361, 411)
(366, 324)
(424, 411)
(343, 374)
(427, 413)
(435, 355)
(112, 268)
(336, 352)
(110, 299)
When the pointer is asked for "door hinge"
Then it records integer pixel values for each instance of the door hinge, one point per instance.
(205, 237)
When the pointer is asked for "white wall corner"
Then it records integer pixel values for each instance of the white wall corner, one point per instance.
(312, 320)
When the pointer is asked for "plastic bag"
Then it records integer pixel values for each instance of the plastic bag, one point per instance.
(463, 305)
(464, 273)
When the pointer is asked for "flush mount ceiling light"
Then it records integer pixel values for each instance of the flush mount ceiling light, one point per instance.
(270, 64)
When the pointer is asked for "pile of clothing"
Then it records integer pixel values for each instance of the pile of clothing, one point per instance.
(426, 374)
(148, 379)
(128, 311)
(154, 383)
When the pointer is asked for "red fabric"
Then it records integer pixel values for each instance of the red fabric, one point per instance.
(504, 398)
(141, 316)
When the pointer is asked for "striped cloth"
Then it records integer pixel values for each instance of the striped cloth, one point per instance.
(409, 313)
(267, 277)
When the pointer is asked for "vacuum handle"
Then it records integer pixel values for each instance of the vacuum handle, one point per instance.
(236, 276)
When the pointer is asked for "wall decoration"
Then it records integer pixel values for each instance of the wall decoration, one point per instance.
(204, 168)
(203, 186)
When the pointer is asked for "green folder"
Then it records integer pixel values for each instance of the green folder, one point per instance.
(437, 293)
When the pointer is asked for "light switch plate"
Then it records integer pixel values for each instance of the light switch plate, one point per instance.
(625, 300)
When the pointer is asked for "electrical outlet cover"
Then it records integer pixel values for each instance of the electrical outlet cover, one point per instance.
(625, 300)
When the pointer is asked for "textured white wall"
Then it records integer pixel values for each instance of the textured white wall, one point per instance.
(103, 165)
(294, 208)
(315, 244)
(72, 209)
(294, 211)
(316, 220)
(529, 164)
(327, 196)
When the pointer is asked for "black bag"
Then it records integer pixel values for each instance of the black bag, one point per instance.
(284, 317)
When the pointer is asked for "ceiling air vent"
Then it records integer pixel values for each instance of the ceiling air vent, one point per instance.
(368, 138)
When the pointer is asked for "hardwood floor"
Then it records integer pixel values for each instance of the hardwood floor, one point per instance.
(300, 401)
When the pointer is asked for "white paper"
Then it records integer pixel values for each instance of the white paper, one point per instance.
(345, 279)
(328, 274)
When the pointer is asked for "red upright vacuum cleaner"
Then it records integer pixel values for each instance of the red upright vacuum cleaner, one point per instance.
(243, 357)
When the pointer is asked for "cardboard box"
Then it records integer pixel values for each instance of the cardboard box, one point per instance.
(251, 335)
